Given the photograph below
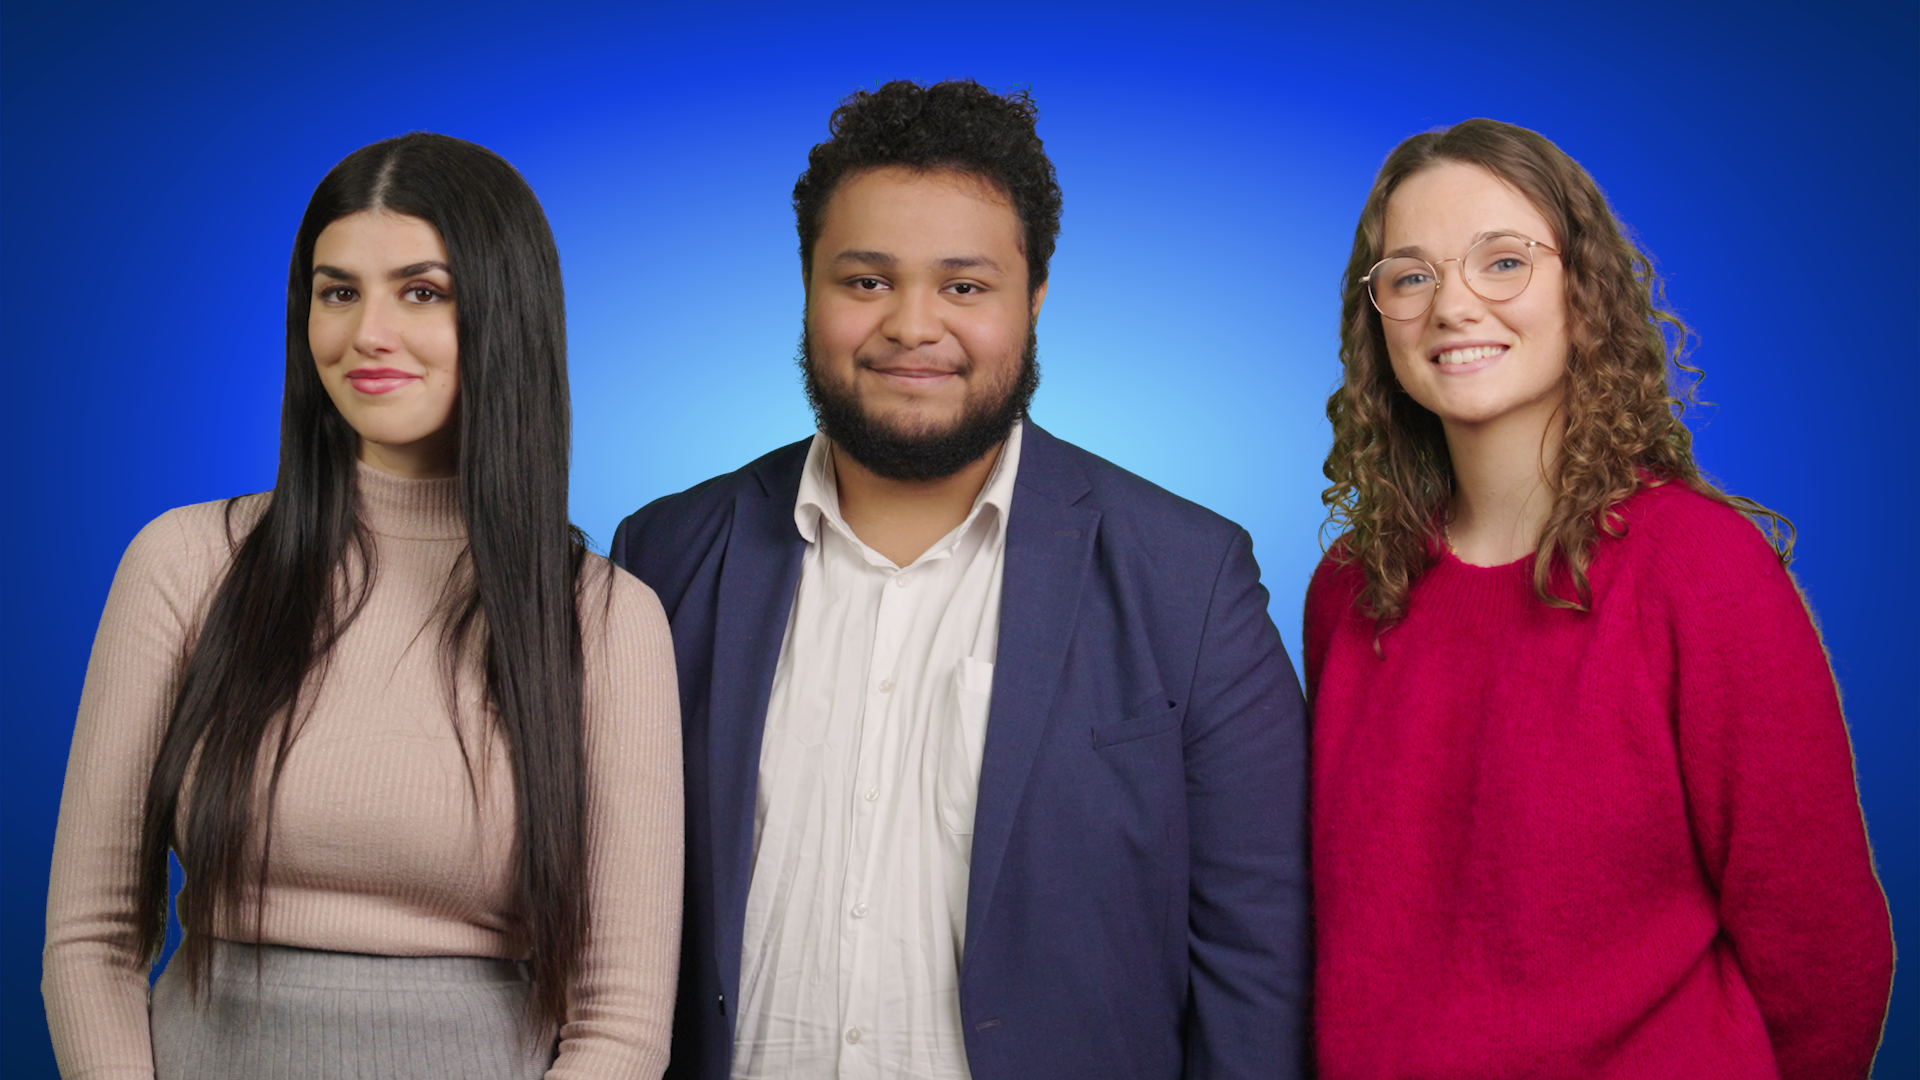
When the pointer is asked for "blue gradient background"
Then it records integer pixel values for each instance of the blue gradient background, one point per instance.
(154, 162)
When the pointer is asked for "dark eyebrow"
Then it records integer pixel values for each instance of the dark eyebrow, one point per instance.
(968, 262)
(417, 269)
(882, 259)
(865, 258)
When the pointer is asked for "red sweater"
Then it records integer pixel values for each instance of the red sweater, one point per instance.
(1616, 843)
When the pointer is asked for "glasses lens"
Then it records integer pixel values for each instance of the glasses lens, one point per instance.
(1402, 288)
(1499, 267)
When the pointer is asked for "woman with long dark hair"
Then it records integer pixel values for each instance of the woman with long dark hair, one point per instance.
(416, 750)
(1583, 800)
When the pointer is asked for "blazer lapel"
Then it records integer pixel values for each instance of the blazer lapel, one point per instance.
(758, 577)
(1049, 549)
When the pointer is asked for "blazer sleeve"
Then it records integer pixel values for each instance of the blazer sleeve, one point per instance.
(1245, 748)
(1769, 783)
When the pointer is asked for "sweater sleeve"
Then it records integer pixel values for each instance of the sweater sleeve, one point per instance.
(621, 1016)
(94, 978)
(1769, 781)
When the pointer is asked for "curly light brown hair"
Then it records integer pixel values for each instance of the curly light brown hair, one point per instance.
(1628, 386)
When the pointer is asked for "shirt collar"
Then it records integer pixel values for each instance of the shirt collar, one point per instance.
(819, 499)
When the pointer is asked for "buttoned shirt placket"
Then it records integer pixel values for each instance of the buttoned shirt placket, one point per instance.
(868, 777)
(878, 735)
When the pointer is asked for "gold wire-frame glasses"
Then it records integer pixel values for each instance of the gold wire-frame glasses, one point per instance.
(1496, 268)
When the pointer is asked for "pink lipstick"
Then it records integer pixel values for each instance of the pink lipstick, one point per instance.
(369, 380)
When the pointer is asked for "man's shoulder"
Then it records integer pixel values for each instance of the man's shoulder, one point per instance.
(1127, 501)
(674, 523)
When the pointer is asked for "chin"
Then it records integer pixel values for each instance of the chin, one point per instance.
(1485, 412)
(913, 422)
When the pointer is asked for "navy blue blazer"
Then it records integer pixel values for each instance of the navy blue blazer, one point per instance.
(1137, 904)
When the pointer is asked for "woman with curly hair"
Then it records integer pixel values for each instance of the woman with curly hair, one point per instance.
(416, 750)
(1583, 798)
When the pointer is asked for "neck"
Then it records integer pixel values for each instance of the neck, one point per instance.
(1502, 477)
(435, 457)
(901, 519)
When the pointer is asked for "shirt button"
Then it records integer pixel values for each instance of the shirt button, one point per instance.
(860, 910)
(886, 686)
(853, 1035)
(902, 580)
(872, 794)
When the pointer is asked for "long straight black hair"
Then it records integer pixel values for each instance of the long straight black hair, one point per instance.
(303, 571)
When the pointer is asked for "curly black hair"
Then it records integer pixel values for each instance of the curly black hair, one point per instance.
(958, 125)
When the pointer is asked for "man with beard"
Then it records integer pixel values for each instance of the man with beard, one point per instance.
(994, 760)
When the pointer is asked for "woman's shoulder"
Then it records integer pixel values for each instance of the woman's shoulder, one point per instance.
(628, 650)
(196, 537)
(176, 561)
(615, 604)
(1670, 524)
(1337, 579)
(1333, 595)
(1703, 561)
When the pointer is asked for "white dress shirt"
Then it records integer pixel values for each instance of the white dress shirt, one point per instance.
(869, 766)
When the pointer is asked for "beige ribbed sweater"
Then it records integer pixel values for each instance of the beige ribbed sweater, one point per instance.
(378, 844)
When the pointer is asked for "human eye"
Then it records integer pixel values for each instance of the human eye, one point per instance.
(1501, 256)
(966, 288)
(1410, 280)
(337, 294)
(865, 283)
(1401, 276)
(422, 293)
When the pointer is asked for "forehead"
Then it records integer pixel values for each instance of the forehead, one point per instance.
(908, 213)
(1443, 207)
(379, 236)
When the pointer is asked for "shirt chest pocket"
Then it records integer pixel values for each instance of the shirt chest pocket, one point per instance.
(957, 787)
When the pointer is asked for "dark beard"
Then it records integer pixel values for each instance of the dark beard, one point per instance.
(919, 455)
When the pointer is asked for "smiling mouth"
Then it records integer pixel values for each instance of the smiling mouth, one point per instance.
(379, 380)
(913, 374)
(1468, 355)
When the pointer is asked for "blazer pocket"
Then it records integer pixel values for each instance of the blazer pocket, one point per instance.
(1113, 732)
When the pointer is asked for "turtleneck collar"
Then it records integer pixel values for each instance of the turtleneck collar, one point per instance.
(410, 509)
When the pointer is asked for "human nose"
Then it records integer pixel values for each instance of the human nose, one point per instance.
(1456, 302)
(377, 331)
(913, 320)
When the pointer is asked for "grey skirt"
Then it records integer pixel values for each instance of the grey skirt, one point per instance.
(301, 1014)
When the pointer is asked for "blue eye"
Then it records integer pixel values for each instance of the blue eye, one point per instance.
(1411, 280)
